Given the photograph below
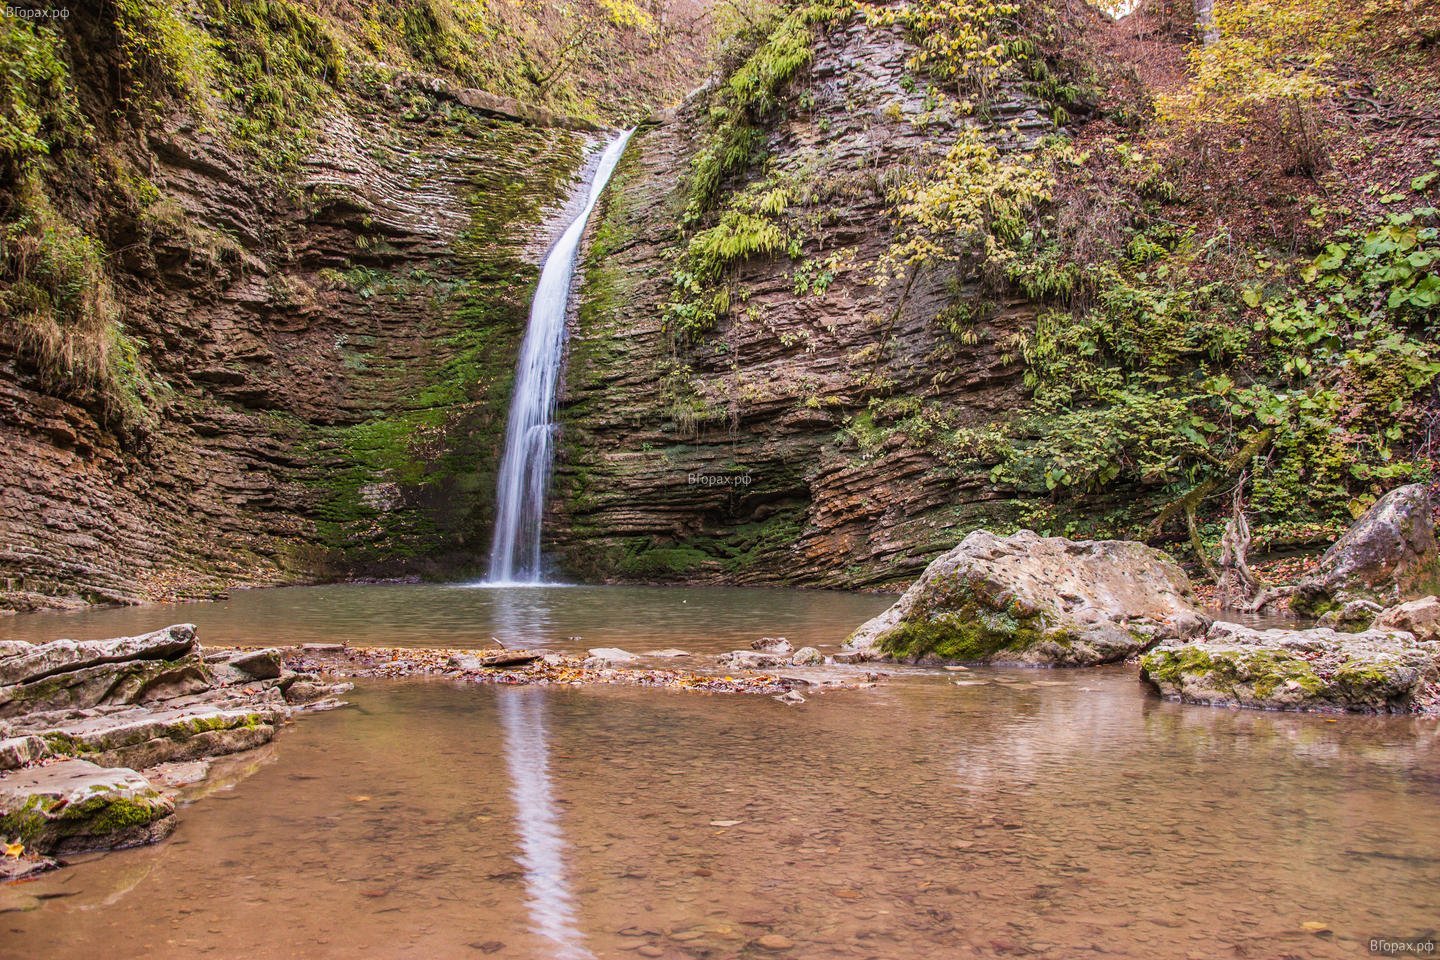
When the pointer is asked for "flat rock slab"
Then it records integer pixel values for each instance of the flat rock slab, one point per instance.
(76, 806)
(62, 656)
(1378, 671)
(243, 666)
(612, 654)
(1035, 600)
(150, 737)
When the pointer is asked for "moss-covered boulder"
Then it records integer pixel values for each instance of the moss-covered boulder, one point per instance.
(1039, 600)
(75, 806)
(1378, 671)
(1388, 556)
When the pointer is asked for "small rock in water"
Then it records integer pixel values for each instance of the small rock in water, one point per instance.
(611, 654)
(807, 657)
(772, 645)
(668, 652)
(752, 660)
(790, 696)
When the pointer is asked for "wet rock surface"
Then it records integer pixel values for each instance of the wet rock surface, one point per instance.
(1388, 556)
(1035, 600)
(1375, 671)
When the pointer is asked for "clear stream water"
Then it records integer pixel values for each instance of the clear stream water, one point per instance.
(530, 430)
(1056, 814)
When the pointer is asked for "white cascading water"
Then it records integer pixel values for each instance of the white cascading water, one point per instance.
(530, 431)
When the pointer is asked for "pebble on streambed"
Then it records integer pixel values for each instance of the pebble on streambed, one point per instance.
(525, 667)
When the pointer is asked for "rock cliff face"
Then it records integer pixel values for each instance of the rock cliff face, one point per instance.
(332, 351)
(749, 455)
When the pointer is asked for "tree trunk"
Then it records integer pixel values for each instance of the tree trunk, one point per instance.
(1205, 21)
(1236, 586)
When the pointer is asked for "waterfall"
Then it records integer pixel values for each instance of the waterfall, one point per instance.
(530, 430)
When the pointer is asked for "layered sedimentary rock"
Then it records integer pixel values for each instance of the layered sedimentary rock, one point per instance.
(113, 707)
(749, 454)
(332, 351)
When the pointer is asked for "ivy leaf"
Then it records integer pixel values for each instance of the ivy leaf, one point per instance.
(1423, 181)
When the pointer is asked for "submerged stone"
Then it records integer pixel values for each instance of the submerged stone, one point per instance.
(1037, 600)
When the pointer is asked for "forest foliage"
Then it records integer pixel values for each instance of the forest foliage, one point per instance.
(1184, 316)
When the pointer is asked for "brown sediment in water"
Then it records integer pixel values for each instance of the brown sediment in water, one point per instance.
(542, 667)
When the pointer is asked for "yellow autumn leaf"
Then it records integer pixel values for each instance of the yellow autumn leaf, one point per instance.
(13, 850)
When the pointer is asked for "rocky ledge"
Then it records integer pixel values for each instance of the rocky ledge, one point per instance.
(1382, 670)
(86, 725)
(1035, 600)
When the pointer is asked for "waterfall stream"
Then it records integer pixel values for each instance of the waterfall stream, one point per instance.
(530, 430)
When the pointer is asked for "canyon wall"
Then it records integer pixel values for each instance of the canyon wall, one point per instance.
(325, 352)
(752, 453)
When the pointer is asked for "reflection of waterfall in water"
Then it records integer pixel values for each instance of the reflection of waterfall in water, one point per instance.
(530, 430)
(542, 845)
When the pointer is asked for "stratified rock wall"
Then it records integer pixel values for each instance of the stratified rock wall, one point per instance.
(335, 352)
(743, 456)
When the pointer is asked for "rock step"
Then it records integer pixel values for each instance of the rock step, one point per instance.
(144, 738)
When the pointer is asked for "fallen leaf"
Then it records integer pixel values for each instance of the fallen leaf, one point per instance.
(360, 799)
(13, 850)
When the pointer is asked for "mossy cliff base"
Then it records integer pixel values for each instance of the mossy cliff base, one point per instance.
(1379, 671)
(1036, 600)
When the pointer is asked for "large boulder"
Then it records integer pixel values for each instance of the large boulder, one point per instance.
(1388, 556)
(75, 806)
(1378, 671)
(1039, 600)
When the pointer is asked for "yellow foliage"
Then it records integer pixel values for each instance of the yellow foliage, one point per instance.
(627, 13)
(959, 40)
(971, 198)
(1268, 51)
